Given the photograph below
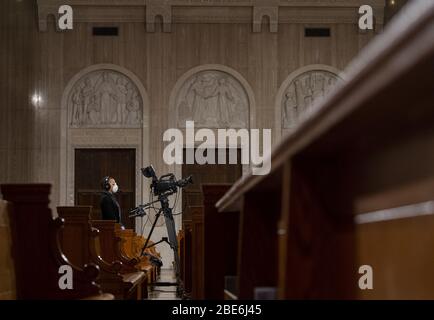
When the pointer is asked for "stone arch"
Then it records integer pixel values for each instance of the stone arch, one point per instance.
(126, 136)
(213, 71)
(325, 72)
(173, 108)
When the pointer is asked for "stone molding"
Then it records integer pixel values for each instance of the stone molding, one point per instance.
(247, 11)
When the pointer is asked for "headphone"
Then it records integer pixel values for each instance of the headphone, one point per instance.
(106, 183)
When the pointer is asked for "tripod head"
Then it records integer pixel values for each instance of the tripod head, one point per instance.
(163, 187)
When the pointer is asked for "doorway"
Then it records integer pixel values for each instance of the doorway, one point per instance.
(91, 165)
(207, 173)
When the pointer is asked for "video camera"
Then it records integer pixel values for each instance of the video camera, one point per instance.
(166, 184)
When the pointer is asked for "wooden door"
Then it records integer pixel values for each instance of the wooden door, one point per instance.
(91, 165)
(207, 174)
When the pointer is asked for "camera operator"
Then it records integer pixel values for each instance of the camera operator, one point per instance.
(110, 209)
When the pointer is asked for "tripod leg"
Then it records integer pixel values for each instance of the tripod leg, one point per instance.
(171, 232)
(150, 233)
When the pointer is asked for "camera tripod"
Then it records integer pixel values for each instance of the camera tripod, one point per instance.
(166, 210)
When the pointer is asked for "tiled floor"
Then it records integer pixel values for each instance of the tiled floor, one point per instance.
(164, 292)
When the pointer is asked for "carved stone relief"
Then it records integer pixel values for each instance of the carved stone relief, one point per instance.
(302, 91)
(104, 98)
(212, 99)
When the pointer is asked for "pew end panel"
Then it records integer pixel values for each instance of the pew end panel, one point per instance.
(79, 241)
(7, 273)
(35, 239)
(221, 232)
(110, 250)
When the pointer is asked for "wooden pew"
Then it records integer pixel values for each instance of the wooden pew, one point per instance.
(208, 246)
(140, 241)
(36, 249)
(181, 252)
(186, 258)
(197, 253)
(220, 241)
(352, 186)
(109, 248)
(137, 244)
(126, 236)
(132, 245)
(109, 245)
(129, 250)
(79, 238)
(7, 273)
(152, 250)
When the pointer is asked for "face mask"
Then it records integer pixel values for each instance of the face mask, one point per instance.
(115, 188)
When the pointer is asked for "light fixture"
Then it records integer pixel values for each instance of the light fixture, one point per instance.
(36, 99)
(392, 2)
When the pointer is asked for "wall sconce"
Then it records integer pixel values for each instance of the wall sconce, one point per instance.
(36, 100)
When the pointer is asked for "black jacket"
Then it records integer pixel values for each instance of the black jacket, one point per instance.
(110, 209)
